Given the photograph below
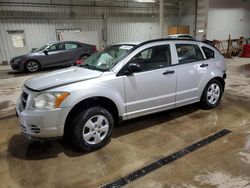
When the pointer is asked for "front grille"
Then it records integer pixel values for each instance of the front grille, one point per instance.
(35, 129)
(23, 102)
(23, 128)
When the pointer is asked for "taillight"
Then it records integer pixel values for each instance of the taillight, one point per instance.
(94, 49)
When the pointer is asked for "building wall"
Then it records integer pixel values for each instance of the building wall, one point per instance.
(187, 15)
(124, 21)
(228, 17)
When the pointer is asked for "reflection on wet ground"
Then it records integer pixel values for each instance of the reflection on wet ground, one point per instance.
(245, 69)
(8, 73)
(134, 144)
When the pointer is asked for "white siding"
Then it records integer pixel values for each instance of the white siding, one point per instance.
(122, 29)
(228, 17)
(126, 21)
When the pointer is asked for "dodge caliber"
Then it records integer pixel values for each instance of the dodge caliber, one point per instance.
(121, 82)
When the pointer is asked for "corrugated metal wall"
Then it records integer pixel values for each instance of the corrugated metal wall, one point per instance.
(187, 15)
(41, 31)
(202, 17)
(122, 29)
(124, 22)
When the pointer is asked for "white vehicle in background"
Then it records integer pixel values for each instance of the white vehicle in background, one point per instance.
(181, 36)
(121, 82)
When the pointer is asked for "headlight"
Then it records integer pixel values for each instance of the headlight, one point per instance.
(49, 100)
(15, 61)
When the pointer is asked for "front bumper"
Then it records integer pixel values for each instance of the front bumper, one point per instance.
(18, 66)
(42, 124)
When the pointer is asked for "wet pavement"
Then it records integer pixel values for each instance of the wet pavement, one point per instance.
(10, 88)
(224, 163)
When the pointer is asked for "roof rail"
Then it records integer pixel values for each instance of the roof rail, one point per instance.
(165, 39)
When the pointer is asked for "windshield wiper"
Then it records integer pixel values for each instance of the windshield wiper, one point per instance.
(92, 67)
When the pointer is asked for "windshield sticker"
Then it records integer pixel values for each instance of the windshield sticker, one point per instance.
(124, 47)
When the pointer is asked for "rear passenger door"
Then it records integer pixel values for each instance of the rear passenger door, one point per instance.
(190, 69)
(72, 52)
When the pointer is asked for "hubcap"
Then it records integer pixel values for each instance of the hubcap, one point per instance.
(213, 93)
(32, 66)
(95, 129)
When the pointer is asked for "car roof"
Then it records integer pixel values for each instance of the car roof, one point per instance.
(134, 43)
(57, 42)
(140, 43)
(177, 35)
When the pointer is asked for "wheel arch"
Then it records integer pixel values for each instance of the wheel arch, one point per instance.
(32, 59)
(218, 78)
(90, 102)
(222, 81)
(83, 55)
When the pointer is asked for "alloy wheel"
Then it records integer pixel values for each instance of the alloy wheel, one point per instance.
(213, 93)
(95, 129)
(32, 66)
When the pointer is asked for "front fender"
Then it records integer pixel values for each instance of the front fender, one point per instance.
(94, 90)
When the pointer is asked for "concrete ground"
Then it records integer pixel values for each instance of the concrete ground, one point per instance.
(224, 163)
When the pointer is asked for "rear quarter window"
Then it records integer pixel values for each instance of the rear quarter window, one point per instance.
(209, 53)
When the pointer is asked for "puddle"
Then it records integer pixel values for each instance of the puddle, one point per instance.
(245, 69)
(5, 74)
(245, 157)
(222, 180)
(5, 104)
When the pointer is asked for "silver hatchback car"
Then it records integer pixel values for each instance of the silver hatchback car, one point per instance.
(121, 82)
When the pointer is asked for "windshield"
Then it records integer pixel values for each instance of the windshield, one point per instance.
(107, 58)
(41, 49)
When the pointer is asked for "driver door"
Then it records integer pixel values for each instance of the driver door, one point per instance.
(153, 88)
(55, 56)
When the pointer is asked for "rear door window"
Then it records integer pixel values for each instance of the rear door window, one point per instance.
(56, 47)
(188, 53)
(71, 46)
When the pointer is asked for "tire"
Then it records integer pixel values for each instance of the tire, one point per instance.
(87, 133)
(211, 96)
(32, 66)
(84, 57)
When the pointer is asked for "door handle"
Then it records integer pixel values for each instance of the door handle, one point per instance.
(169, 72)
(203, 65)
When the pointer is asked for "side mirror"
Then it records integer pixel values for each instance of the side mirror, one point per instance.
(132, 68)
(46, 51)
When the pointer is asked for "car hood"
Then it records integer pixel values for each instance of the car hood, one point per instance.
(61, 77)
(24, 56)
(20, 56)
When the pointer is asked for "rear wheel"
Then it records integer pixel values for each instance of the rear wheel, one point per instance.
(32, 66)
(92, 128)
(211, 95)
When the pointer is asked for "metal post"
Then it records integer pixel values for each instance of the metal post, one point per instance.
(161, 14)
(196, 17)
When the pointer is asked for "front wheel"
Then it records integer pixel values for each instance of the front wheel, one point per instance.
(211, 95)
(32, 66)
(92, 129)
